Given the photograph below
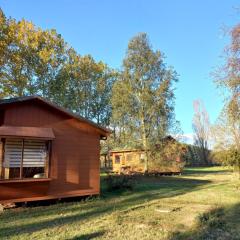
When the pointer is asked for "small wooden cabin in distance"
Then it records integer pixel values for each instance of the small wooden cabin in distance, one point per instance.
(46, 152)
(132, 160)
(127, 158)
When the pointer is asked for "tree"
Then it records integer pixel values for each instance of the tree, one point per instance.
(39, 62)
(143, 95)
(228, 78)
(201, 128)
(30, 58)
(226, 133)
(227, 128)
(89, 87)
(101, 97)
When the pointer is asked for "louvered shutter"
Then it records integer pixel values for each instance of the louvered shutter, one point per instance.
(34, 154)
(13, 153)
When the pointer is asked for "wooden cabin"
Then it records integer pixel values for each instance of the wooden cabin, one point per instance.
(132, 160)
(46, 152)
(127, 159)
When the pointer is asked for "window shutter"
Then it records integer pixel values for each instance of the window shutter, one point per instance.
(13, 153)
(34, 154)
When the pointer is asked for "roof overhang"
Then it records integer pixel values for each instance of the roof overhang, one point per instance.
(126, 150)
(27, 132)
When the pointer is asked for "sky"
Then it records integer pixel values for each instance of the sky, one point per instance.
(189, 32)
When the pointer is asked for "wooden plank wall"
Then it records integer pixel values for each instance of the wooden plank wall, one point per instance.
(74, 164)
(1, 159)
(128, 159)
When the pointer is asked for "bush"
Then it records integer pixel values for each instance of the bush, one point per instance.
(229, 157)
(119, 182)
(212, 219)
(167, 156)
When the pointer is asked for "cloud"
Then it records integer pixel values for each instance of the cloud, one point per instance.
(187, 138)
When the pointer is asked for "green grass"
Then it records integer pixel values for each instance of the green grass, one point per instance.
(203, 203)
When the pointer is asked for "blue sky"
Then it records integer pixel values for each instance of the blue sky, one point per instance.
(188, 32)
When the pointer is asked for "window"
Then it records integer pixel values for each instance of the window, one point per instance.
(129, 157)
(142, 157)
(25, 158)
(117, 159)
(1, 117)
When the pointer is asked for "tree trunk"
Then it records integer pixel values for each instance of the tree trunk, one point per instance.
(105, 161)
(238, 157)
(145, 145)
(239, 169)
(205, 155)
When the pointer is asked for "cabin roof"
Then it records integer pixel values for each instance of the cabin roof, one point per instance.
(126, 150)
(9, 101)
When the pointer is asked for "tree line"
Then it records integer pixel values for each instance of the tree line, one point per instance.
(136, 102)
(39, 62)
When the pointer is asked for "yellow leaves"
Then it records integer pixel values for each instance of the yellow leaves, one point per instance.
(39, 61)
(46, 54)
(2, 19)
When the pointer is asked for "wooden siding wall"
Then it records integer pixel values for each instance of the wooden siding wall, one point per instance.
(128, 159)
(74, 164)
(1, 159)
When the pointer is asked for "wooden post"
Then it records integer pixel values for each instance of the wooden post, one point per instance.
(47, 163)
(3, 153)
(6, 173)
(1, 159)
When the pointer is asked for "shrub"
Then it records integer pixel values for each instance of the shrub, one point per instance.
(212, 219)
(167, 157)
(119, 182)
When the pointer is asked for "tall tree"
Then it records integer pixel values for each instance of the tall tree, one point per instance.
(201, 128)
(30, 57)
(227, 77)
(226, 135)
(89, 87)
(143, 96)
(39, 62)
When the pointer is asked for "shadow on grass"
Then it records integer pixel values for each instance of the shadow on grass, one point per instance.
(219, 223)
(88, 236)
(147, 188)
(204, 171)
(163, 187)
(160, 183)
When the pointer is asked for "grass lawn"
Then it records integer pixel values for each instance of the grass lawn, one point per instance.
(203, 203)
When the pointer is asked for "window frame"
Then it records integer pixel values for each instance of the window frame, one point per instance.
(21, 178)
(129, 157)
(142, 157)
(119, 159)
